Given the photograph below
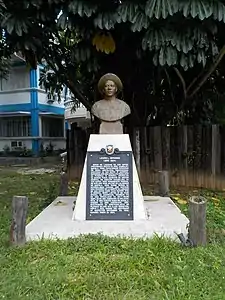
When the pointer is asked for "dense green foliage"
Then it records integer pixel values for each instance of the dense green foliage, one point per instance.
(165, 51)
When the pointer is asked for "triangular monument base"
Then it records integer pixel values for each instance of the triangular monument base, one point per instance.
(110, 187)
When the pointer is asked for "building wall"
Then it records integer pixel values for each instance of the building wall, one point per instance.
(15, 94)
(27, 142)
(54, 107)
(14, 97)
(21, 92)
(17, 90)
(19, 78)
(17, 129)
(58, 143)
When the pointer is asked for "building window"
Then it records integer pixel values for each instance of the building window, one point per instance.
(15, 126)
(52, 127)
(16, 144)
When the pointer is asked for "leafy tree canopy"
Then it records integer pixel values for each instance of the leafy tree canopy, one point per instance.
(163, 50)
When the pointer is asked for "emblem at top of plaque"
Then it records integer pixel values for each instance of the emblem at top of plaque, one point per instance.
(110, 110)
(109, 149)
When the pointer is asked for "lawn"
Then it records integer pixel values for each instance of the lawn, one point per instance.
(96, 267)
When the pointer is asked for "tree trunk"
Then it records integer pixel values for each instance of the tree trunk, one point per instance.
(163, 183)
(63, 184)
(18, 226)
(78, 95)
(197, 216)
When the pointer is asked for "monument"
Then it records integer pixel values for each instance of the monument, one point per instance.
(109, 199)
(110, 188)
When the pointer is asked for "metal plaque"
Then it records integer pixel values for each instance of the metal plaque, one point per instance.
(109, 185)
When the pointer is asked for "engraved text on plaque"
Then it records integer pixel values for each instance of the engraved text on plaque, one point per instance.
(109, 186)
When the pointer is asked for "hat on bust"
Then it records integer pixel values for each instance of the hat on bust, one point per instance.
(112, 77)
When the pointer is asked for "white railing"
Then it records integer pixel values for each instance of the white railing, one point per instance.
(79, 111)
(70, 104)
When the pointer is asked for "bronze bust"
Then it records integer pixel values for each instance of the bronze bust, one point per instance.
(110, 110)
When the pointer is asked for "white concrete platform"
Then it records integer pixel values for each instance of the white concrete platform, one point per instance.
(163, 218)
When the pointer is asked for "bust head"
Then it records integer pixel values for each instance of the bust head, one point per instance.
(110, 88)
(109, 85)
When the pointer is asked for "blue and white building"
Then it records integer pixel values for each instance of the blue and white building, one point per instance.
(28, 117)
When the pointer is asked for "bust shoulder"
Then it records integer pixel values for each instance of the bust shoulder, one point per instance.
(125, 107)
(110, 110)
(96, 106)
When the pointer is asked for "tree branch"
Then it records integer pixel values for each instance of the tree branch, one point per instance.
(195, 80)
(170, 86)
(210, 71)
(78, 94)
(182, 82)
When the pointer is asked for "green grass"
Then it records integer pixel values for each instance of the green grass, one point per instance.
(96, 267)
